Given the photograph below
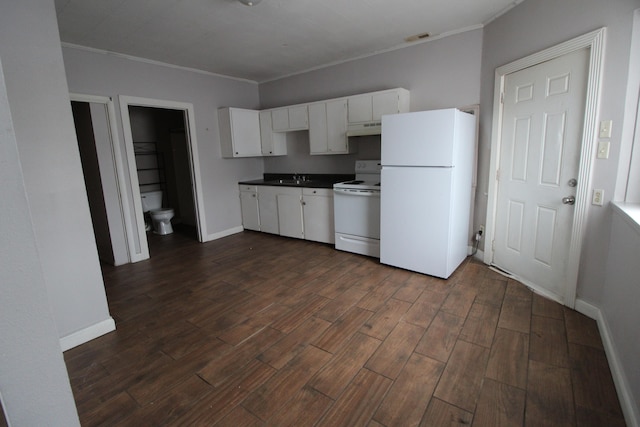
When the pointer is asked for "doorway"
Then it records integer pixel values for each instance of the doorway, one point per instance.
(514, 143)
(94, 119)
(161, 153)
(162, 164)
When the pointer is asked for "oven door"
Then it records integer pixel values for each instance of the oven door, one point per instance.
(357, 212)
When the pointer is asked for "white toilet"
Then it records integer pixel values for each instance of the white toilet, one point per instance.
(160, 217)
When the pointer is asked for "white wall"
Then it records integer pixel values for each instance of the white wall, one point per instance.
(440, 74)
(538, 24)
(34, 386)
(110, 75)
(41, 110)
(619, 304)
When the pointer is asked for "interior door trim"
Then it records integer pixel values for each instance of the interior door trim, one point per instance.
(141, 252)
(594, 41)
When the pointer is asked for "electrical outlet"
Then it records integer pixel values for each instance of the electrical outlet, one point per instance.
(598, 197)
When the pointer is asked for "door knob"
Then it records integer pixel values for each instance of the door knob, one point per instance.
(569, 200)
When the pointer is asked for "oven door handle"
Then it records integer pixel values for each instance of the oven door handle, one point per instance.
(365, 193)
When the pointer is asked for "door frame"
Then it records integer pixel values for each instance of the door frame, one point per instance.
(116, 154)
(142, 252)
(594, 41)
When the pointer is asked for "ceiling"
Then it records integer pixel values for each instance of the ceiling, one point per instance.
(272, 39)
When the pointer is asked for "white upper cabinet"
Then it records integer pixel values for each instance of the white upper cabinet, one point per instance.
(251, 133)
(328, 127)
(290, 118)
(372, 106)
(298, 117)
(273, 144)
(239, 132)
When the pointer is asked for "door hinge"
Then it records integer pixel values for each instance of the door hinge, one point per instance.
(497, 174)
(501, 97)
(493, 245)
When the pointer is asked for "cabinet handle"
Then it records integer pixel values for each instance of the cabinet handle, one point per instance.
(304, 203)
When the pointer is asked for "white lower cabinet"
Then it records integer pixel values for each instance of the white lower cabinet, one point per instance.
(249, 207)
(302, 213)
(290, 212)
(268, 208)
(317, 207)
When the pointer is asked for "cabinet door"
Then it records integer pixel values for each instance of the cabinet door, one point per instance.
(268, 208)
(250, 213)
(290, 214)
(318, 216)
(360, 108)
(266, 133)
(245, 133)
(298, 118)
(385, 103)
(337, 127)
(318, 128)
(280, 119)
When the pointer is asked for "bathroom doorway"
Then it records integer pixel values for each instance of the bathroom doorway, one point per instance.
(162, 155)
(162, 164)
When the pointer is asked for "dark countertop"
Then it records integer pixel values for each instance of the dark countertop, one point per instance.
(310, 181)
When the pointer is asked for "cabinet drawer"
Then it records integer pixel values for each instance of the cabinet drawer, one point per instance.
(317, 191)
(244, 187)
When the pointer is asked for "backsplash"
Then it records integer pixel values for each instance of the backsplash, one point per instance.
(299, 160)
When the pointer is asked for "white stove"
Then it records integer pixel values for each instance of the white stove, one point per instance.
(357, 210)
(367, 176)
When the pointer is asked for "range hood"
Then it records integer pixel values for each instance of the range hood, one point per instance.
(362, 129)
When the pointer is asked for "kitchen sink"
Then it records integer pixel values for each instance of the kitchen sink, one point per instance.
(290, 181)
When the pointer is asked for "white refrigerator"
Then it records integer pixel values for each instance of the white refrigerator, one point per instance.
(425, 194)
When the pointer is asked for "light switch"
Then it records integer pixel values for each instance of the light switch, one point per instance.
(605, 128)
(603, 149)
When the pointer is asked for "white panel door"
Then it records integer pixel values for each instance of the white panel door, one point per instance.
(539, 159)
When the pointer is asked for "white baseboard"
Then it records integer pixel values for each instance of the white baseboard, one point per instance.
(224, 233)
(87, 334)
(629, 408)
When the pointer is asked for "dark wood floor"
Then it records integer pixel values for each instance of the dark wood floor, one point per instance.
(255, 329)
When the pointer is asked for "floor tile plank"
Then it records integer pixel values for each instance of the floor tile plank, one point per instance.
(441, 337)
(358, 402)
(410, 394)
(462, 377)
(499, 405)
(509, 358)
(344, 366)
(395, 350)
(549, 396)
(265, 401)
